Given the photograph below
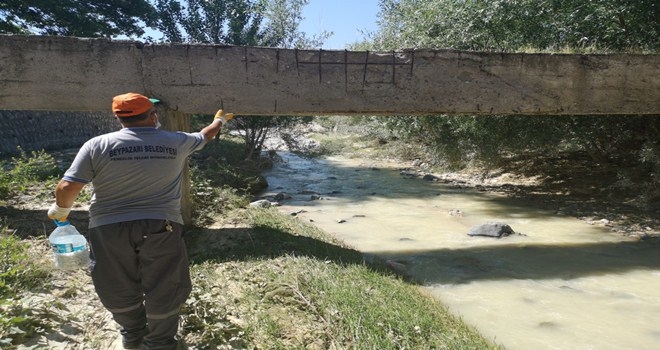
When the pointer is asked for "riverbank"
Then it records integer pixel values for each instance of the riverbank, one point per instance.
(265, 281)
(262, 280)
(569, 183)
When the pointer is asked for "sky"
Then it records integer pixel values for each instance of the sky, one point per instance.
(345, 18)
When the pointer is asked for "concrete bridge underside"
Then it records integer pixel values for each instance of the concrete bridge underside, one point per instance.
(74, 74)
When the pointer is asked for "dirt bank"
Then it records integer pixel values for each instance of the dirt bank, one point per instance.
(572, 185)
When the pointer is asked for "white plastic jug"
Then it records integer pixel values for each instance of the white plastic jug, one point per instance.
(69, 247)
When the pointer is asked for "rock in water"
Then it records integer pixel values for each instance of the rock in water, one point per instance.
(262, 203)
(491, 229)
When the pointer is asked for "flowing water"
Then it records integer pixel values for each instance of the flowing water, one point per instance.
(559, 284)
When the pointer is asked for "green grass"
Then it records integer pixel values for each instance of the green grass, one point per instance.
(291, 286)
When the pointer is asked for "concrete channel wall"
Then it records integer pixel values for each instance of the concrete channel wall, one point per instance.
(74, 74)
(37, 130)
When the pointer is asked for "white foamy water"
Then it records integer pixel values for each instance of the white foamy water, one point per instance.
(561, 284)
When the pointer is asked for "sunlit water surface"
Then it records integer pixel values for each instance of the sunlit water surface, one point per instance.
(560, 284)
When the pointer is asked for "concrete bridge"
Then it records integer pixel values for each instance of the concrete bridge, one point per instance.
(74, 74)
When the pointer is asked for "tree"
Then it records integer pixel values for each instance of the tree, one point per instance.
(270, 23)
(96, 18)
(232, 22)
(284, 17)
(508, 25)
(257, 128)
(521, 25)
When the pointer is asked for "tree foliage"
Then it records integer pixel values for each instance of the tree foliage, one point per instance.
(488, 139)
(510, 25)
(269, 23)
(284, 17)
(235, 22)
(96, 18)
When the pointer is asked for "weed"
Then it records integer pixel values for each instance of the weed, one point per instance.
(16, 272)
(19, 318)
(210, 199)
(27, 170)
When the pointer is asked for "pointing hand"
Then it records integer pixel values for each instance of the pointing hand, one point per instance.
(223, 117)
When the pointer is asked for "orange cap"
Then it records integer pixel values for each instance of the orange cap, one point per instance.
(131, 104)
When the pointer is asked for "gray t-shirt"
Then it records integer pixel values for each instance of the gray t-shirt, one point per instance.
(137, 173)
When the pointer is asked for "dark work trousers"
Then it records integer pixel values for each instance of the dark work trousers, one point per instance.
(141, 275)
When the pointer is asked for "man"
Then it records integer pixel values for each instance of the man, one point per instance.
(139, 263)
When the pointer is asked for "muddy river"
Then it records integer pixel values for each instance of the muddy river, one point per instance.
(561, 283)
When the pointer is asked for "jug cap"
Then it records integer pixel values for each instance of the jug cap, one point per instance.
(61, 223)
